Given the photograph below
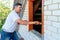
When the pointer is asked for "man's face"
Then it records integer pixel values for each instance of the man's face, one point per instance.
(18, 8)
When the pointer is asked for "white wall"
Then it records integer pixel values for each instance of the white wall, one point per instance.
(52, 19)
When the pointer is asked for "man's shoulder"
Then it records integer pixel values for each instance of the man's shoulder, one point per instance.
(11, 13)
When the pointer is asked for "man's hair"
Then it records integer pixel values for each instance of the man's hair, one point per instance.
(17, 4)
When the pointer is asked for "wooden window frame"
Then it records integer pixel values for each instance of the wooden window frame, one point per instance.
(31, 16)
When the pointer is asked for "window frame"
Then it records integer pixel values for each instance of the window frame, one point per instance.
(31, 15)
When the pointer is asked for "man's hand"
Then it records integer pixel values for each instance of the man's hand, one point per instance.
(37, 22)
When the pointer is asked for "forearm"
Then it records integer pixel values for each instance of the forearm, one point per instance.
(25, 22)
(31, 22)
(34, 22)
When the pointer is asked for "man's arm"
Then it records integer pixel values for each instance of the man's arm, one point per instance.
(19, 21)
(24, 22)
(33, 22)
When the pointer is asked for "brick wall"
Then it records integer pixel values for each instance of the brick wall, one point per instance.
(52, 20)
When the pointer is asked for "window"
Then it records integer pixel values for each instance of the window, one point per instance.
(36, 14)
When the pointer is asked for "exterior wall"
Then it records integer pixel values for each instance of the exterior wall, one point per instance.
(52, 20)
(23, 30)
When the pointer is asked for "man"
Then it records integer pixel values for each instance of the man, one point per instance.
(11, 23)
